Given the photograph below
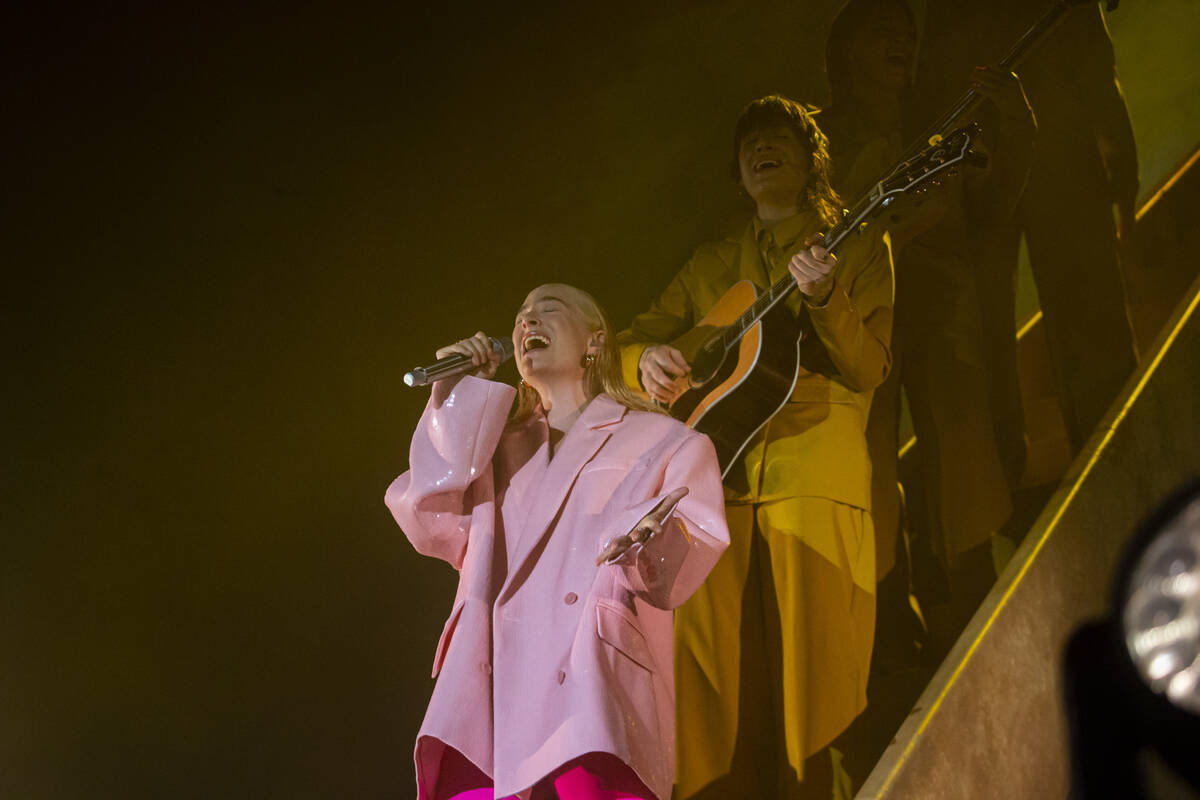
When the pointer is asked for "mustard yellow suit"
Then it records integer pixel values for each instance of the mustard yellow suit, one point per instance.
(772, 653)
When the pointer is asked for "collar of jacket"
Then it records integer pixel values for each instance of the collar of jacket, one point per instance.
(749, 257)
(601, 410)
(788, 233)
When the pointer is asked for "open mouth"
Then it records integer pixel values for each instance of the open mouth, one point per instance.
(535, 341)
(765, 165)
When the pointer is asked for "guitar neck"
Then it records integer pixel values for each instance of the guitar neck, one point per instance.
(969, 100)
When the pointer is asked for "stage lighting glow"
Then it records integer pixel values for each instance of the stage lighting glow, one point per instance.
(1161, 610)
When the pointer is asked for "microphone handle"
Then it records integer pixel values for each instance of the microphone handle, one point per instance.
(454, 364)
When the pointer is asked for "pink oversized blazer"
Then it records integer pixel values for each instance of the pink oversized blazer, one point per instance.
(546, 656)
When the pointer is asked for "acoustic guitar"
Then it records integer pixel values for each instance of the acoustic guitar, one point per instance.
(745, 353)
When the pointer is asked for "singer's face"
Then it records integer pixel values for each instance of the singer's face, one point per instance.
(881, 50)
(774, 164)
(551, 335)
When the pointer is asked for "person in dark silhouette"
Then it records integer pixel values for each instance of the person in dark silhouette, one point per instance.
(1077, 211)
(943, 296)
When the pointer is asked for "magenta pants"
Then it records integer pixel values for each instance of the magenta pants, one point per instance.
(595, 776)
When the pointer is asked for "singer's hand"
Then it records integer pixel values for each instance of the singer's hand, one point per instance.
(664, 372)
(650, 525)
(813, 271)
(479, 349)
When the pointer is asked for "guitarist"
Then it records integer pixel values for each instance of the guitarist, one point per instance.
(773, 650)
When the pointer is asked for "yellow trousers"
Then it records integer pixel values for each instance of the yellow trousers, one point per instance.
(772, 653)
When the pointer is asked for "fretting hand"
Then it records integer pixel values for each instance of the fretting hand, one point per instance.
(479, 349)
(813, 270)
(650, 525)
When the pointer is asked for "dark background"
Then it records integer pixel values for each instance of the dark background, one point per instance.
(227, 232)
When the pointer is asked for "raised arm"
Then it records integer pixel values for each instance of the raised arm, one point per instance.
(452, 448)
(1012, 131)
(1109, 116)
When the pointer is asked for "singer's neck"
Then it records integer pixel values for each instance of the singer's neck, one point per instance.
(563, 405)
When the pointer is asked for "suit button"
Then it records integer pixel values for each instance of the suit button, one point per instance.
(570, 598)
(562, 676)
(486, 667)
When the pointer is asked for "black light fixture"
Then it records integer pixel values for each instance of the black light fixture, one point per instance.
(1133, 680)
(1160, 608)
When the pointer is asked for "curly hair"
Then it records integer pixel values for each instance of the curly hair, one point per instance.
(775, 110)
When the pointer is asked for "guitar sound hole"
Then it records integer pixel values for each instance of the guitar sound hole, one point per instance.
(708, 361)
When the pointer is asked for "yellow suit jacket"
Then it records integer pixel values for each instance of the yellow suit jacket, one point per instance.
(815, 445)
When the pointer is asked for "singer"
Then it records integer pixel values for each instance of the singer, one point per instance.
(577, 521)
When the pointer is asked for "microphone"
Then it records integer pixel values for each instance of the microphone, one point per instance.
(455, 364)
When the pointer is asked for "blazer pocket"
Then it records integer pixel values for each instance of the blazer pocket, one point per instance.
(614, 627)
(602, 462)
(444, 642)
(602, 482)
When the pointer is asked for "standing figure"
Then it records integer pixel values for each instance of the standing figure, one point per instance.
(772, 652)
(576, 523)
(947, 301)
(1077, 210)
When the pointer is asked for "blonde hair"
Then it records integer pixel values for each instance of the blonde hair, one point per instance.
(603, 375)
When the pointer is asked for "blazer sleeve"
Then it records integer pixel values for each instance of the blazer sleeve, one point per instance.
(665, 570)
(670, 316)
(1009, 143)
(451, 447)
(1097, 81)
(855, 324)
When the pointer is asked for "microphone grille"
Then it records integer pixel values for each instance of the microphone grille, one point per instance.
(504, 347)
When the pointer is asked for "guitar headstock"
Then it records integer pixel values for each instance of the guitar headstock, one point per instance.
(942, 155)
(939, 158)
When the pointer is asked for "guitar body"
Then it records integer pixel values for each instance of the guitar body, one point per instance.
(734, 394)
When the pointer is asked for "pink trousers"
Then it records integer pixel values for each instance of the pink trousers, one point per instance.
(595, 776)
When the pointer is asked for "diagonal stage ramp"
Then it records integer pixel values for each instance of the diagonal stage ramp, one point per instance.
(991, 722)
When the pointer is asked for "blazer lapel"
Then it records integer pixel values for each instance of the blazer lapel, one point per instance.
(586, 437)
(525, 459)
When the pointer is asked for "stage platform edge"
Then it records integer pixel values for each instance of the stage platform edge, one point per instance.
(991, 722)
